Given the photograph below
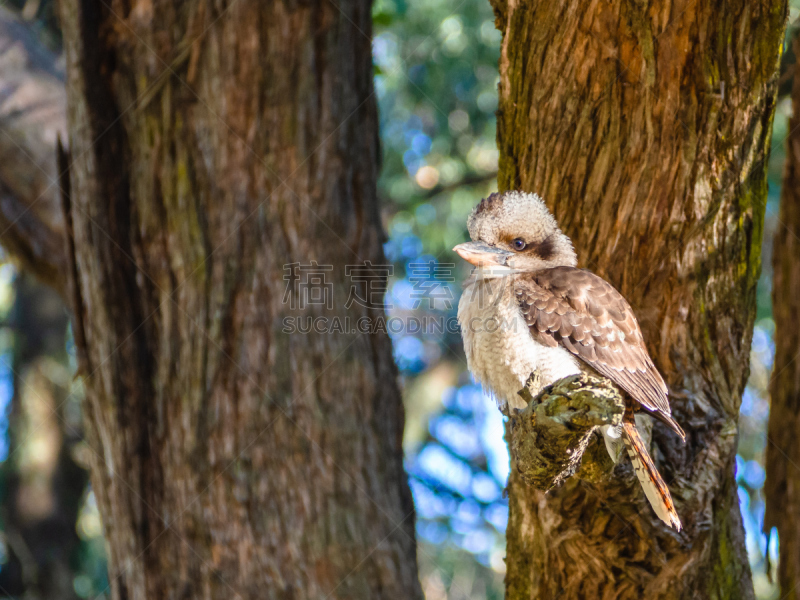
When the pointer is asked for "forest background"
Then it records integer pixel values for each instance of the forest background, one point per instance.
(435, 66)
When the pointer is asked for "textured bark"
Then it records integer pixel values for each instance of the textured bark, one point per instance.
(782, 487)
(646, 127)
(549, 439)
(211, 144)
(32, 115)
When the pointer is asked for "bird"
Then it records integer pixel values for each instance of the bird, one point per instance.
(528, 310)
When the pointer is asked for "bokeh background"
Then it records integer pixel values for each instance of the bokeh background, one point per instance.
(436, 84)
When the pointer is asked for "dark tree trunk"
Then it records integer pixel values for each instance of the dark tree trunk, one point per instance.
(213, 143)
(43, 487)
(782, 487)
(646, 127)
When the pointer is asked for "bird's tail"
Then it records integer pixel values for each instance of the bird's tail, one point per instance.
(653, 485)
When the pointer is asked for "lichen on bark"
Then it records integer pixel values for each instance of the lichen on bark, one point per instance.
(549, 438)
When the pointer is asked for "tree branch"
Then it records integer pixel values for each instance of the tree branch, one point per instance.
(32, 115)
(551, 439)
(472, 179)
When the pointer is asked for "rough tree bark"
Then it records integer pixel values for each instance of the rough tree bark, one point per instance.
(211, 144)
(782, 486)
(549, 439)
(646, 127)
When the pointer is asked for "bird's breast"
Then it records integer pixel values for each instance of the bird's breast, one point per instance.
(501, 352)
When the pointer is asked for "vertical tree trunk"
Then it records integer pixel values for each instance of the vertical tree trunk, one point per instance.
(213, 143)
(646, 127)
(43, 487)
(782, 487)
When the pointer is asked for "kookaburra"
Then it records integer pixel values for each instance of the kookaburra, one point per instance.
(551, 320)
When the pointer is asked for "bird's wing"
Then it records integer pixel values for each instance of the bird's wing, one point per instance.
(583, 313)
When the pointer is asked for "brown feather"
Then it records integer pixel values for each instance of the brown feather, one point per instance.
(586, 315)
(653, 484)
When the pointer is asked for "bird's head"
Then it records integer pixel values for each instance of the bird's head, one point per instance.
(514, 231)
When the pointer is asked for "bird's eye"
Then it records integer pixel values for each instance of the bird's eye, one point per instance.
(519, 244)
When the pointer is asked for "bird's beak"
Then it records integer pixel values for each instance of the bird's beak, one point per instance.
(482, 254)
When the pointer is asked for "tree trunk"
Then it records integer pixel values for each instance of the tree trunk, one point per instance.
(646, 127)
(213, 144)
(782, 486)
(43, 487)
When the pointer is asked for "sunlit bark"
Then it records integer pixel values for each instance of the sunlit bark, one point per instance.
(646, 128)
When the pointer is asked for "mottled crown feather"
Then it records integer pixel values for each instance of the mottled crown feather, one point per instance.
(515, 214)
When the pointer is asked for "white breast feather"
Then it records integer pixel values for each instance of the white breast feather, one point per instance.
(501, 352)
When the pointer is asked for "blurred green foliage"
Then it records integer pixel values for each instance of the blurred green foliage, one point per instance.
(436, 80)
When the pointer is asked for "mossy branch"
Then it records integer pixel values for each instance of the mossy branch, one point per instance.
(551, 438)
